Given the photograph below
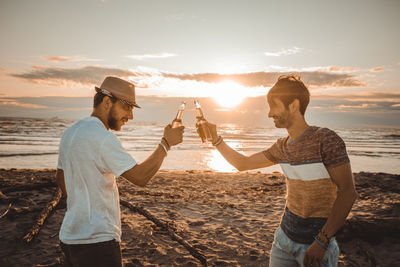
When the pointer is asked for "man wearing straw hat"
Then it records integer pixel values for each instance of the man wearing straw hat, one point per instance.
(90, 160)
(319, 181)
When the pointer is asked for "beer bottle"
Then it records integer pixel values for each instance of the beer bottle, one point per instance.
(177, 122)
(201, 126)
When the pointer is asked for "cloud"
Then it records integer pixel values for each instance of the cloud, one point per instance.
(378, 69)
(284, 52)
(341, 69)
(314, 68)
(344, 106)
(360, 106)
(146, 78)
(89, 75)
(314, 79)
(380, 104)
(10, 102)
(59, 58)
(151, 56)
(69, 59)
(371, 96)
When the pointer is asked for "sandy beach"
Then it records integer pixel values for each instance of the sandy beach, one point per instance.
(229, 219)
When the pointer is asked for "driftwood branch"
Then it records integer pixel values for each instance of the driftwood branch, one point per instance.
(5, 213)
(42, 217)
(168, 229)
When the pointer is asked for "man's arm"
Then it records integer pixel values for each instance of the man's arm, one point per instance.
(60, 181)
(346, 195)
(243, 162)
(140, 174)
(236, 159)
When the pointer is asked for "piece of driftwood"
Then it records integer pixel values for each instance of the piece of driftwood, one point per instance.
(166, 228)
(42, 217)
(28, 187)
(5, 213)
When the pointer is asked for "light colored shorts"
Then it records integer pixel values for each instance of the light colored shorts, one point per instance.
(287, 253)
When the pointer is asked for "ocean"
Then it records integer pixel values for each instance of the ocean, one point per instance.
(33, 143)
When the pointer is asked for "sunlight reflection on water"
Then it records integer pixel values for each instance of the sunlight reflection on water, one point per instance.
(33, 143)
(215, 161)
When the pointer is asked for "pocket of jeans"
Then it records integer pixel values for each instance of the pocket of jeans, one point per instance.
(331, 255)
(280, 239)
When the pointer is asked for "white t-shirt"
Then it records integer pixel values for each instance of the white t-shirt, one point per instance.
(91, 157)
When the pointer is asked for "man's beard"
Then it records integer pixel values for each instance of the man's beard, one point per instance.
(283, 121)
(112, 121)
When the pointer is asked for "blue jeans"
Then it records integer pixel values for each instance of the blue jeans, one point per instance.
(287, 253)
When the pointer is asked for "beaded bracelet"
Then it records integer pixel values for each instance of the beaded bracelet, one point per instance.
(219, 141)
(323, 238)
(320, 243)
(165, 149)
(166, 142)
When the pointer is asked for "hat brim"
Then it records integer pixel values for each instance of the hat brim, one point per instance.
(99, 90)
(136, 105)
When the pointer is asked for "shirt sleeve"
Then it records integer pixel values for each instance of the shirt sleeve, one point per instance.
(59, 162)
(274, 153)
(333, 149)
(114, 158)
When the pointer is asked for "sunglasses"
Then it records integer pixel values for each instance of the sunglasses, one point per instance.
(107, 93)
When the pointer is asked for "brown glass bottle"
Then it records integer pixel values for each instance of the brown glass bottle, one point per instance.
(177, 122)
(201, 125)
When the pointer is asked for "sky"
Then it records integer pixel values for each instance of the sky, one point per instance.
(346, 52)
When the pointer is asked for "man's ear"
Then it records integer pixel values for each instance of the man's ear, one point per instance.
(107, 103)
(294, 106)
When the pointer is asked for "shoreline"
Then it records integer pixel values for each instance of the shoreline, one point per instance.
(231, 221)
(202, 171)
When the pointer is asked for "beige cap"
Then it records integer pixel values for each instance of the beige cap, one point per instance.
(120, 89)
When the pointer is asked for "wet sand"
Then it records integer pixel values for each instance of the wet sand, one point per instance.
(229, 218)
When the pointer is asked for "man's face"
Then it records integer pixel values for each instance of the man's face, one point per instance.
(281, 115)
(118, 115)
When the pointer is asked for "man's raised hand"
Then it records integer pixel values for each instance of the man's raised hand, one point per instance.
(213, 131)
(173, 136)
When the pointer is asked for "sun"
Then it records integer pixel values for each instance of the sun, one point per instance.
(229, 94)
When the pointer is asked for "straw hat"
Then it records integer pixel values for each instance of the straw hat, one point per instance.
(120, 89)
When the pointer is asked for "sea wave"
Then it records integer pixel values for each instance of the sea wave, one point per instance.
(27, 154)
(392, 136)
(21, 137)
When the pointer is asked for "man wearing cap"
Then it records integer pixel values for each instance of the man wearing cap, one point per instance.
(90, 159)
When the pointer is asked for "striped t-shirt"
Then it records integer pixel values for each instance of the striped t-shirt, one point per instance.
(310, 190)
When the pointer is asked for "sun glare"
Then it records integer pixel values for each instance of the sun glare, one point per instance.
(217, 162)
(229, 94)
